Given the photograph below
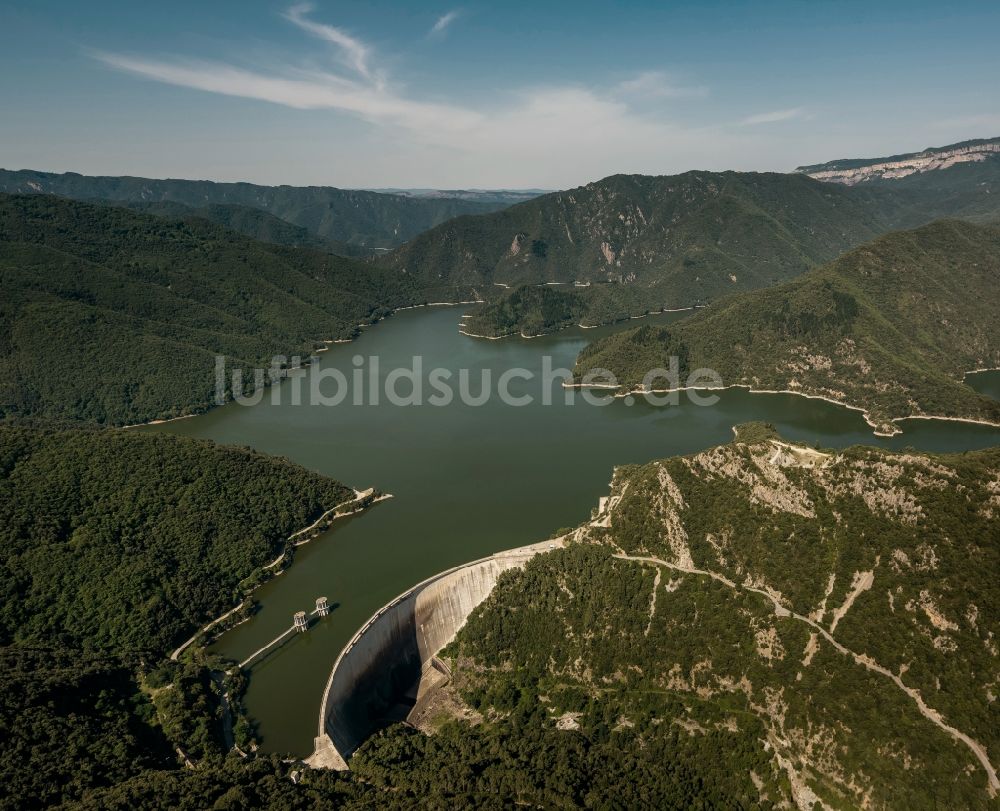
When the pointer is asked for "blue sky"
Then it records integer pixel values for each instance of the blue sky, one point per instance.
(485, 94)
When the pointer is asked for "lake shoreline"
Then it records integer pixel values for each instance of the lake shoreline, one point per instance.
(363, 499)
(438, 304)
(864, 412)
(327, 341)
(159, 421)
(579, 326)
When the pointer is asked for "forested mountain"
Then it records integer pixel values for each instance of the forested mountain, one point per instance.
(362, 218)
(824, 623)
(121, 541)
(890, 327)
(116, 546)
(252, 222)
(529, 310)
(960, 180)
(678, 239)
(113, 316)
(632, 244)
(968, 190)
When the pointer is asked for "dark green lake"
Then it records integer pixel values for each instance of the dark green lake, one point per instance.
(986, 382)
(467, 481)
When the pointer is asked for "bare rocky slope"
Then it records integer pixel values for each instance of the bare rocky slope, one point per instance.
(851, 171)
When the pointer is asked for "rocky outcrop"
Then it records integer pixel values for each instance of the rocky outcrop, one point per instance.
(851, 172)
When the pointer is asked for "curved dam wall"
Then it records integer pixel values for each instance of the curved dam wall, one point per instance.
(387, 655)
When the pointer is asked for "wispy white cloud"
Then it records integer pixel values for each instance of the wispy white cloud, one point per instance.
(443, 22)
(659, 85)
(300, 90)
(548, 131)
(774, 116)
(354, 52)
(370, 97)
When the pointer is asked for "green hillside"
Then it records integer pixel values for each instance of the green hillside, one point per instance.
(890, 327)
(762, 600)
(941, 181)
(531, 309)
(967, 190)
(116, 546)
(633, 244)
(362, 218)
(121, 541)
(527, 310)
(115, 317)
(675, 240)
(252, 222)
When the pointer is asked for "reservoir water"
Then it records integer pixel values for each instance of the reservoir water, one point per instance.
(467, 481)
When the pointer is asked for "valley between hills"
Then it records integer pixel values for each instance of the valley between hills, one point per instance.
(747, 619)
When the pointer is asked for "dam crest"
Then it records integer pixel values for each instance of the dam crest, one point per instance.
(395, 651)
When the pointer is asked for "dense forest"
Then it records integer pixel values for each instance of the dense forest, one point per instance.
(528, 310)
(116, 546)
(520, 760)
(122, 541)
(891, 327)
(71, 721)
(114, 317)
(252, 222)
(648, 243)
(762, 546)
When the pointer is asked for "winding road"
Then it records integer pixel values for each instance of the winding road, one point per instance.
(928, 712)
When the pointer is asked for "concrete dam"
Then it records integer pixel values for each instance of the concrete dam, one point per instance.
(396, 646)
